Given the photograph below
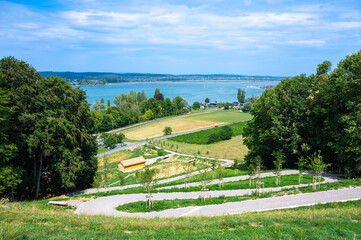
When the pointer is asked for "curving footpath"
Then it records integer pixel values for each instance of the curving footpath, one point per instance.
(107, 205)
(226, 163)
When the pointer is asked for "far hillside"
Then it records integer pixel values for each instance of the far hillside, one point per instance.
(100, 78)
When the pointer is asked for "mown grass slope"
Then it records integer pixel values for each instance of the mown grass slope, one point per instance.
(35, 220)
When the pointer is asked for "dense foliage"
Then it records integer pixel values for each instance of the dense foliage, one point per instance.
(305, 114)
(135, 107)
(46, 142)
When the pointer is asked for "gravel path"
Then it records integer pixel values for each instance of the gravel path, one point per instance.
(107, 205)
(226, 163)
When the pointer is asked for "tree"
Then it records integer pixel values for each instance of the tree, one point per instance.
(51, 127)
(179, 103)
(243, 96)
(304, 114)
(324, 68)
(108, 105)
(159, 97)
(301, 164)
(110, 140)
(239, 95)
(157, 91)
(213, 166)
(102, 105)
(280, 159)
(235, 165)
(206, 100)
(167, 131)
(121, 177)
(221, 173)
(251, 172)
(318, 166)
(148, 115)
(225, 133)
(187, 167)
(96, 106)
(196, 105)
(213, 137)
(106, 171)
(147, 179)
(247, 106)
(120, 137)
(227, 105)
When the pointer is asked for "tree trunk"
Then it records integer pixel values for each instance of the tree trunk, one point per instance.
(12, 194)
(313, 181)
(39, 176)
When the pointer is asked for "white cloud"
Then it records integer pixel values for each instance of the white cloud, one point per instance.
(180, 25)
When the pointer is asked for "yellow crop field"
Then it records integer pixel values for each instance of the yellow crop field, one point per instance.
(115, 157)
(229, 149)
(186, 123)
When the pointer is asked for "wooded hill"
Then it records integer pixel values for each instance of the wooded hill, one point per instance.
(84, 77)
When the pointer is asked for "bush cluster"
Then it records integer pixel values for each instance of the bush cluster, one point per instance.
(224, 133)
(112, 139)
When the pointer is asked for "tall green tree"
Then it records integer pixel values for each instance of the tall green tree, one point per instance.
(51, 127)
(304, 114)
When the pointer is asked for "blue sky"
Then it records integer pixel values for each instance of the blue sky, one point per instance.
(269, 37)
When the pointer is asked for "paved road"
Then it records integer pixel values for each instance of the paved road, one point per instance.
(107, 205)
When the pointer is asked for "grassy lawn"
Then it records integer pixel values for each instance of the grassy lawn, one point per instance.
(102, 150)
(229, 149)
(35, 220)
(201, 137)
(186, 123)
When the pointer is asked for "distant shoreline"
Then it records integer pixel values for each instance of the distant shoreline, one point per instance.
(99, 78)
(165, 81)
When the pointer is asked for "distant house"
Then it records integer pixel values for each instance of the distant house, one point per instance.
(131, 164)
(236, 104)
(212, 105)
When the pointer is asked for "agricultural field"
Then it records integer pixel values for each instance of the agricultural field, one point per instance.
(36, 219)
(186, 123)
(228, 149)
(201, 137)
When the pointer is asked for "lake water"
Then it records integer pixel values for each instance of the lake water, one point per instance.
(220, 91)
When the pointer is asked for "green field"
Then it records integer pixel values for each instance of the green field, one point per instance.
(36, 220)
(186, 123)
(201, 137)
